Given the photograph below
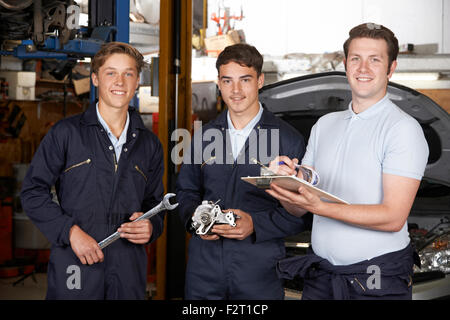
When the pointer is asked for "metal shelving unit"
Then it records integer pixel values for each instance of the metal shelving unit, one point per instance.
(110, 23)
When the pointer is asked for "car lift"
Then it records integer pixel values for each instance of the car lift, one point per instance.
(111, 23)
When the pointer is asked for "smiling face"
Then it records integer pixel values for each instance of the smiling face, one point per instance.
(368, 72)
(117, 80)
(239, 87)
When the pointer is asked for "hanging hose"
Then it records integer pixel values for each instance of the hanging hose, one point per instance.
(15, 4)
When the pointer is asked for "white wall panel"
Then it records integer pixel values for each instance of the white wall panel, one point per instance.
(279, 27)
(446, 26)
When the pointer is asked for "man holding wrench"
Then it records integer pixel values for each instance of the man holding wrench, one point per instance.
(107, 169)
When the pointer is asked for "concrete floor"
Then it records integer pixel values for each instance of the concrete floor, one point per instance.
(29, 289)
(25, 290)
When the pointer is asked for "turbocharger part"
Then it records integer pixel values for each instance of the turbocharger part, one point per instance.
(207, 214)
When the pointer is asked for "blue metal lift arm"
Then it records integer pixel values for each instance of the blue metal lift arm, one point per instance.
(73, 48)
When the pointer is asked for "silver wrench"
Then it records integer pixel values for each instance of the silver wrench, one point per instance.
(163, 205)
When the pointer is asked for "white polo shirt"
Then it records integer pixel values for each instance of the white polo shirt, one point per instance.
(351, 152)
(117, 144)
(238, 137)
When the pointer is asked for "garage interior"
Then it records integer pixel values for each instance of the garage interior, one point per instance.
(45, 77)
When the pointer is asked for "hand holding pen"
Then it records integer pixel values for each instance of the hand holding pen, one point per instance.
(284, 166)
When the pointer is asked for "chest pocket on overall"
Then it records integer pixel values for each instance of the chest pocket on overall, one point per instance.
(78, 172)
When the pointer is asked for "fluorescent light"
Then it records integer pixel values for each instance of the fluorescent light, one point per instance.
(415, 76)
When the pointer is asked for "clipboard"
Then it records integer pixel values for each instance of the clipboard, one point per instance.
(290, 183)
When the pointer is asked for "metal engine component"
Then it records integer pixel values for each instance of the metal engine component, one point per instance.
(36, 19)
(207, 214)
(50, 17)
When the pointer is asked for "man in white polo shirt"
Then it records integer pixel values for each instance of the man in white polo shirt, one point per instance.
(372, 155)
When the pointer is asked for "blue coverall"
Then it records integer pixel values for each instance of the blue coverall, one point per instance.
(229, 268)
(97, 194)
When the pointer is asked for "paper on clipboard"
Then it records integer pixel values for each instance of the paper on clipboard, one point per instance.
(291, 183)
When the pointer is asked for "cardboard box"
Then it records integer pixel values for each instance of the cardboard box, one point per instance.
(82, 85)
(214, 45)
(21, 84)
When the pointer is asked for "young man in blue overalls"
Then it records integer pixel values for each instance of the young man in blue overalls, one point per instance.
(107, 168)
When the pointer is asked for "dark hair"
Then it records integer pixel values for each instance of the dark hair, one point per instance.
(242, 54)
(110, 48)
(374, 31)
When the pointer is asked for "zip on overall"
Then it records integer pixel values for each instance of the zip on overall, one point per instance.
(113, 193)
(115, 163)
(141, 172)
(78, 165)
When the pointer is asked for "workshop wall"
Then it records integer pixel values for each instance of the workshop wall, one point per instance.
(317, 26)
(38, 118)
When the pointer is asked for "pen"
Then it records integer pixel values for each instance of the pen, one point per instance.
(308, 175)
(295, 164)
(257, 162)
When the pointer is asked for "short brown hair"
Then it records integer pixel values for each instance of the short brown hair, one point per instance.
(242, 54)
(110, 48)
(374, 31)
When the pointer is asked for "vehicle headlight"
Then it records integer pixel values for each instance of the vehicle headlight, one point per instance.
(436, 255)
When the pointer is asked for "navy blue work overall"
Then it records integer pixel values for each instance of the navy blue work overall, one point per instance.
(386, 277)
(97, 193)
(229, 268)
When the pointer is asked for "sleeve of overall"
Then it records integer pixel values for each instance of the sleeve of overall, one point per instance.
(277, 222)
(154, 189)
(189, 188)
(45, 168)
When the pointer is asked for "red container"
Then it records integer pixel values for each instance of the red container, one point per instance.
(6, 227)
(155, 120)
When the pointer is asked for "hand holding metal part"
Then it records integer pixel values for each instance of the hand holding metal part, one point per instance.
(163, 205)
(207, 214)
